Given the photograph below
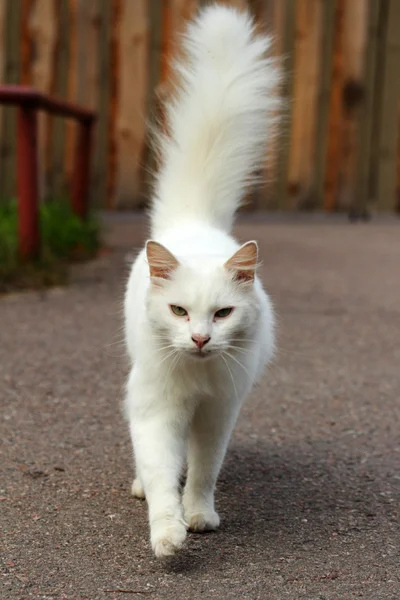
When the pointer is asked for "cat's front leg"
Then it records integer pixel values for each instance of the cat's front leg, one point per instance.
(211, 429)
(158, 434)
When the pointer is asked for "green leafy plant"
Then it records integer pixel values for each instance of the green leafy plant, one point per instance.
(64, 238)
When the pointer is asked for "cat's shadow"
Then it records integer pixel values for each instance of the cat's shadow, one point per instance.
(273, 501)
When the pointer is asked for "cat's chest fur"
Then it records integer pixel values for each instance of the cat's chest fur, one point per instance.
(192, 380)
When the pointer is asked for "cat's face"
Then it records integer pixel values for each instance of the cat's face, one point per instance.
(203, 309)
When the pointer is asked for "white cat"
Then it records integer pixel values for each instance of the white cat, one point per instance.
(199, 326)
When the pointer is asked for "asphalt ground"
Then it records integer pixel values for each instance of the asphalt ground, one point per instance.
(309, 494)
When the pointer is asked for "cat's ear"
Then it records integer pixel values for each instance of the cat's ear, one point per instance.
(161, 261)
(244, 262)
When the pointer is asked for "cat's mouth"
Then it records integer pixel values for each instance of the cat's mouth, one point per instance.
(200, 354)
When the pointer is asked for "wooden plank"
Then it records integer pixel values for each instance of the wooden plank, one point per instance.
(321, 143)
(257, 8)
(11, 71)
(306, 72)
(26, 43)
(3, 6)
(56, 158)
(157, 11)
(397, 204)
(274, 22)
(355, 36)
(335, 124)
(175, 14)
(262, 12)
(106, 16)
(88, 39)
(83, 76)
(355, 45)
(114, 103)
(361, 197)
(130, 134)
(166, 40)
(12, 31)
(43, 31)
(75, 8)
(377, 100)
(258, 194)
(274, 17)
(149, 162)
(88, 71)
(387, 163)
(241, 4)
(288, 47)
(278, 20)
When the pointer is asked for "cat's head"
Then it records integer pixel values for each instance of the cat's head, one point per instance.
(202, 307)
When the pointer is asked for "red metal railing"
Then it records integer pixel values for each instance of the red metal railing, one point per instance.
(29, 102)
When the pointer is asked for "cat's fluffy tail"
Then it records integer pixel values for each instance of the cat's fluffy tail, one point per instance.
(218, 123)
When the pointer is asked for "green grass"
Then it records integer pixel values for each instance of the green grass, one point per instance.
(64, 239)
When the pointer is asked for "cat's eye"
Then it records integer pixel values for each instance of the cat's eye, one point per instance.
(178, 310)
(222, 313)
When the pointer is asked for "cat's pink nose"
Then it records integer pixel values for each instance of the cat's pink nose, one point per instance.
(200, 340)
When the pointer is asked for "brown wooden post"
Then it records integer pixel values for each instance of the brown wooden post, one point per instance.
(166, 40)
(387, 159)
(27, 182)
(42, 27)
(355, 52)
(81, 177)
(321, 143)
(365, 142)
(102, 151)
(3, 10)
(132, 53)
(305, 96)
(288, 49)
(148, 160)
(9, 41)
(335, 122)
(56, 146)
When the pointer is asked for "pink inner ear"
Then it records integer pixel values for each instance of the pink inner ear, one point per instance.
(161, 261)
(243, 263)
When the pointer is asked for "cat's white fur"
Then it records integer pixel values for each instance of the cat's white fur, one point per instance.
(182, 403)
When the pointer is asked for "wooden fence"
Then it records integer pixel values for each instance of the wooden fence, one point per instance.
(337, 146)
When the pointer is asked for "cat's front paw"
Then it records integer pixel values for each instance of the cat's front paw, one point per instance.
(167, 536)
(203, 520)
(137, 489)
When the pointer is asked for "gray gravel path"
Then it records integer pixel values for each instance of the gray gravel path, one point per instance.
(309, 495)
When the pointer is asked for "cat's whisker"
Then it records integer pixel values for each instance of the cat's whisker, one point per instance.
(121, 344)
(113, 344)
(245, 340)
(117, 356)
(238, 349)
(239, 363)
(173, 365)
(169, 355)
(165, 347)
(231, 376)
